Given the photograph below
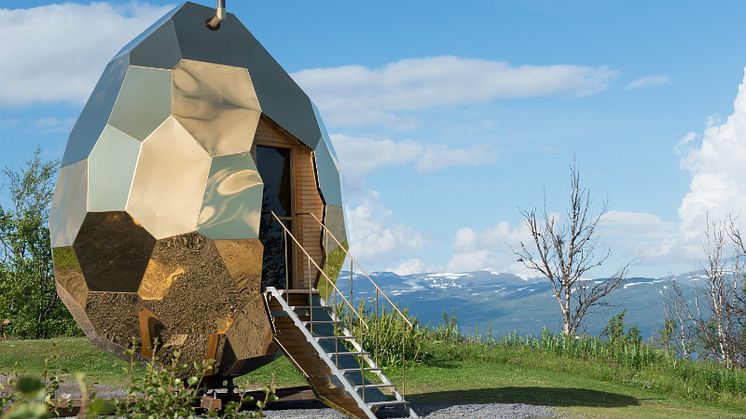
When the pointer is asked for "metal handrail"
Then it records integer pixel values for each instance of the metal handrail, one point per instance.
(365, 273)
(329, 281)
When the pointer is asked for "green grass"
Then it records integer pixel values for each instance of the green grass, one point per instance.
(453, 373)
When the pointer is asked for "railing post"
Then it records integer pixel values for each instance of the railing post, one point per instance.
(287, 273)
(310, 292)
(376, 330)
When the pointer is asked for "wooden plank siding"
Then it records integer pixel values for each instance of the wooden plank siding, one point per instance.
(306, 197)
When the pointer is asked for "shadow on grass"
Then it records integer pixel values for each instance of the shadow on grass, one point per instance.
(540, 396)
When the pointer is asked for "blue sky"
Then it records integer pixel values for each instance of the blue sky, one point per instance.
(448, 117)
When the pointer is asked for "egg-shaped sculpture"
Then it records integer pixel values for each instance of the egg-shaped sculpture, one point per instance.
(163, 222)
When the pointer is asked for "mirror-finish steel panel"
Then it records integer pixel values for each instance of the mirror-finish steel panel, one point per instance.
(334, 220)
(169, 183)
(232, 44)
(69, 204)
(68, 274)
(96, 112)
(111, 167)
(328, 175)
(282, 100)
(217, 104)
(325, 135)
(145, 37)
(144, 101)
(159, 50)
(233, 199)
(243, 259)
(113, 251)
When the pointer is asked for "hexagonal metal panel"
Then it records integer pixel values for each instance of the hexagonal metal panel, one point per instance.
(159, 49)
(334, 220)
(281, 99)
(144, 101)
(113, 251)
(243, 259)
(111, 167)
(96, 112)
(69, 204)
(169, 182)
(68, 274)
(233, 199)
(217, 104)
(230, 45)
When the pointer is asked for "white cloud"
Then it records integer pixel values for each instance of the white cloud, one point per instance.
(489, 249)
(374, 234)
(684, 142)
(359, 155)
(55, 53)
(718, 171)
(409, 267)
(359, 95)
(653, 80)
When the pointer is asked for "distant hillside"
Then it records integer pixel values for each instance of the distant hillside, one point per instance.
(511, 303)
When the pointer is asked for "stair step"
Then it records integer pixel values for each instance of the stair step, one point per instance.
(335, 337)
(299, 291)
(367, 386)
(346, 370)
(388, 403)
(348, 353)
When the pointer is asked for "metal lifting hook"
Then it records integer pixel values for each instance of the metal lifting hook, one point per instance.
(214, 22)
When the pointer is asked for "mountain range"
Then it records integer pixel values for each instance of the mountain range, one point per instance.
(506, 303)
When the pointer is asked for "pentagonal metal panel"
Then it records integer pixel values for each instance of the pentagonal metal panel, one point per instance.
(231, 45)
(68, 274)
(334, 220)
(233, 199)
(169, 182)
(328, 175)
(113, 251)
(243, 259)
(160, 49)
(146, 38)
(69, 204)
(251, 335)
(144, 101)
(281, 99)
(96, 112)
(111, 167)
(217, 104)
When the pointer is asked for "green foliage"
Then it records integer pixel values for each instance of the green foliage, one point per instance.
(162, 392)
(389, 339)
(27, 291)
(616, 334)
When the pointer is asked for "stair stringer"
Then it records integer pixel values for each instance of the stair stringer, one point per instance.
(349, 389)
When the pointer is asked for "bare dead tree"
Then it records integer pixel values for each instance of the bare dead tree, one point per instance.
(678, 312)
(564, 252)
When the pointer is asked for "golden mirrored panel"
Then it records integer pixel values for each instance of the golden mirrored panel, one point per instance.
(76, 310)
(68, 274)
(113, 251)
(243, 259)
(169, 183)
(111, 167)
(68, 204)
(201, 289)
(251, 334)
(233, 199)
(114, 316)
(217, 104)
(144, 101)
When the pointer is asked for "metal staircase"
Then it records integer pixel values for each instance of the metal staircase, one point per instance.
(314, 337)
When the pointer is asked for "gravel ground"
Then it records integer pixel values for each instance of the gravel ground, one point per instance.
(428, 410)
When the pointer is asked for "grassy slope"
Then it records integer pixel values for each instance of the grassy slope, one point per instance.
(522, 378)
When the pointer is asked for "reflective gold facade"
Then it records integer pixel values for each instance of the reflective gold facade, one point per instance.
(156, 215)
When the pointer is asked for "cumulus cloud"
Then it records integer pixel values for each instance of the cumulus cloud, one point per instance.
(649, 81)
(375, 235)
(409, 267)
(55, 53)
(358, 95)
(361, 155)
(718, 172)
(489, 249)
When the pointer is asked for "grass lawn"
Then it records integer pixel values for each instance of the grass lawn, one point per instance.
(521, 378)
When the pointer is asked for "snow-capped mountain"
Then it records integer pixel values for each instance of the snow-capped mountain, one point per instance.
(511, 303)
